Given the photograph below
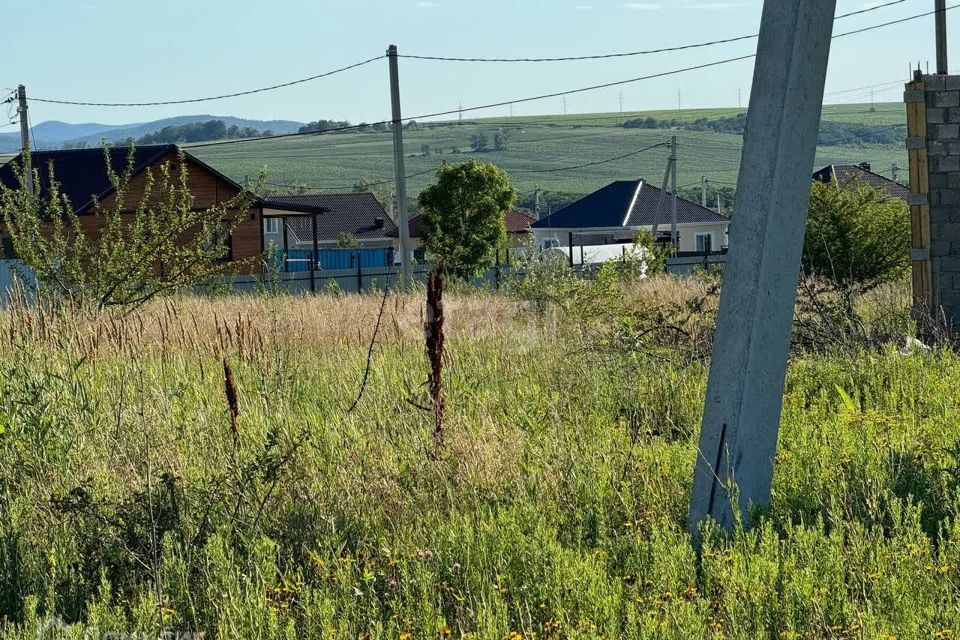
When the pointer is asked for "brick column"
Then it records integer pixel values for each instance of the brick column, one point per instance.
(933, 130)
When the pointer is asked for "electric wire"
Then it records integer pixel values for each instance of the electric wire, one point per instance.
(211, 98)
(552, 170)
(506, 103)
(606, 85)
(628, 54)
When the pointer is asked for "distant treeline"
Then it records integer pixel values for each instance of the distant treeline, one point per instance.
(831, 133)
(201, 132)
(320, 126)
(192, 132)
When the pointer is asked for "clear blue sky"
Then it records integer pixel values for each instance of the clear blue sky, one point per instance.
(131, 50)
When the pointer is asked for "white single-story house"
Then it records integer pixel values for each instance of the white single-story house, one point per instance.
(617, 212)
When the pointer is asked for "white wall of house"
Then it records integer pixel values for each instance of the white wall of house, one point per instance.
(689, 233)
(689, 240)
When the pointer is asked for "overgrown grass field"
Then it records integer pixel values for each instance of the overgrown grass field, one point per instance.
(556, 509)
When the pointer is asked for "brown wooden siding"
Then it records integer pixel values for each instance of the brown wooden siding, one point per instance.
(207, 190)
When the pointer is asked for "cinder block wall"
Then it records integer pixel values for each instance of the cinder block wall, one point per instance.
(933, 122)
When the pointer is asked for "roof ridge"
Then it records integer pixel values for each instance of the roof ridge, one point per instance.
(633, 203)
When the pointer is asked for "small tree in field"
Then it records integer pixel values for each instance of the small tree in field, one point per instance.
(163, 245)
(463, 216)
(463, 226)
(856, 236)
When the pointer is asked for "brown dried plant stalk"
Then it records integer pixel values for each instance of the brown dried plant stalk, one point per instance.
(433, 330)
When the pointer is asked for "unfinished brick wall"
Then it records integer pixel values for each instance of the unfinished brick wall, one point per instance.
(933, 143)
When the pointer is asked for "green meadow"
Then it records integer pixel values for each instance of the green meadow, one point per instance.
(555, 509)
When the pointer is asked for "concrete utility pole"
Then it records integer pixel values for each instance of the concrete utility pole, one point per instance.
(894, 170)
(703, 191)
(25, 137)
(536, 203)
(406, 277)
(663, 190)
(741, 418)
(674, 236)
(942, 67)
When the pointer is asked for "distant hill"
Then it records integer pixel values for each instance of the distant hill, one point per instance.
(53, 134)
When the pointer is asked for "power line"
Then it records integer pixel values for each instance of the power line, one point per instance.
(628, 54)
(421, 173)
(211, 98)
(592, 164)
(657, 75)
(342, 187)
(562, 93)
(505, 103)
(873, 86)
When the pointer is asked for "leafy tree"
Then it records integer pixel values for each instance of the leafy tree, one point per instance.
(479, 142)
(463, 216)
(162, 246)
(500, 140)
(426, 149)
(346, 240)
(856, 235)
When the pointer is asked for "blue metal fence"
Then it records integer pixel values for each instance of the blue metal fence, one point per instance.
(336, 259)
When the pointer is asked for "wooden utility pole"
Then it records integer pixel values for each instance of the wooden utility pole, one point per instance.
(25, 137)
(738, 441)
(942, 67)
(399, 169)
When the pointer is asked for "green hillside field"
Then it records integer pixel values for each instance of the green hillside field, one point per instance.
(541, 151)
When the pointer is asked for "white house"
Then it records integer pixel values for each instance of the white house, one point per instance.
(617, 212)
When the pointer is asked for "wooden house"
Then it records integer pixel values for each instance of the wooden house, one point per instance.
(83, 178)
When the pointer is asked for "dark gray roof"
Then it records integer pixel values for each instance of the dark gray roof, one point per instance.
(82, 173)
(849, 174)
(516, 222)
(354, 213)
(628, 203)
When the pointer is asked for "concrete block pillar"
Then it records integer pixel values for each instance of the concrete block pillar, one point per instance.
(933, 143)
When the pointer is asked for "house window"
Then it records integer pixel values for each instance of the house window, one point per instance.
(704, 242)
(271, 225)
